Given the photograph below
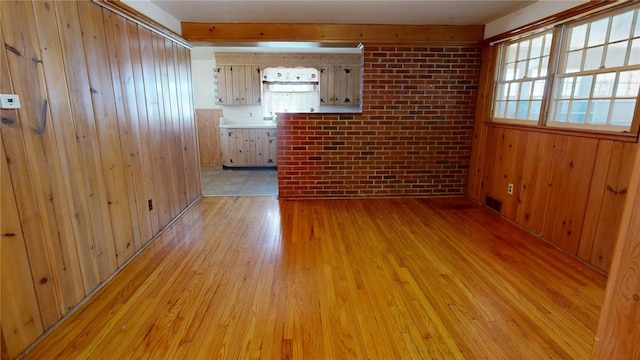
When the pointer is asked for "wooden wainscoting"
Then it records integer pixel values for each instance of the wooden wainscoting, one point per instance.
(251, 277)
(100, 157)
(208, 121)
(568, 189)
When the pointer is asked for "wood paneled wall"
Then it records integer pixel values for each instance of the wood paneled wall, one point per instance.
(618, 334)
(569, 189)
(208, 121)
(101, 156)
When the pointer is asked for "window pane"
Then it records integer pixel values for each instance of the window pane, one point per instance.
(523, 110)
(599, 112)
(616, 53)
(536, 47)
(593, 58)
(561, 110)
(500, 109)
(523, 52)
(637, 32)
(544, 66)
(583, 87)
(578, 112)
(538, 89)
(509, 71)
(513, 91)
(547, 44)
(578, 36)
(628, 84)
(525, 90)
(501, 93)
(634, 56)
(511, 109)
(511, 52)
(604, 85)
(622, 112)
(535, 110)
(565, 86)
(574, 61)
(534, 64)
(598, 32)
(621, 26)
(521, 69)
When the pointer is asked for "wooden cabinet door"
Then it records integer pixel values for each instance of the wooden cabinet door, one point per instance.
(225, 140)
(328, 85)
(340, 85)
(349, 85)
(224, 81)
(252, 85)
(238, 85)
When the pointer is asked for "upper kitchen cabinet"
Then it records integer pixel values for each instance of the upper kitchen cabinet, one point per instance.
(238, 85)
(340, 85)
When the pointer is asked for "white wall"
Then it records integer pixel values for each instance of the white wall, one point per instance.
(152, 11)
(531, 13)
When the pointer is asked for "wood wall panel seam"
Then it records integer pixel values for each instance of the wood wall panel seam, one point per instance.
(122, 9)
(79, 182)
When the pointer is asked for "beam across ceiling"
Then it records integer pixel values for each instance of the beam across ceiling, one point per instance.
(333, 33)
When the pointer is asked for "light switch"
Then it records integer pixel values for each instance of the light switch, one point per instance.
(9, 101)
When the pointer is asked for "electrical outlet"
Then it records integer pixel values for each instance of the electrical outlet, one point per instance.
(9, 101)
(250, 114)
(510, 189)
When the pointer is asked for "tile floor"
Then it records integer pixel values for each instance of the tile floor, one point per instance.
(238, 182)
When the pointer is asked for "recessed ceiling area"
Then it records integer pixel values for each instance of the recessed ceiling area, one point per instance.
(403, 12)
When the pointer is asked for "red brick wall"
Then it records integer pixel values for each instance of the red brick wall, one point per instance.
(413, 137)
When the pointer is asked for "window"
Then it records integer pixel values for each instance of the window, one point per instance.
(597, 82)
(595, 67)
(521, 80)
(290, 90)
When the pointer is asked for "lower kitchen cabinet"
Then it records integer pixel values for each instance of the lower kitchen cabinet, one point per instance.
(248, 147)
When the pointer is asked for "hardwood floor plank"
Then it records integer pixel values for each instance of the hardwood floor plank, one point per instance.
(258, 278)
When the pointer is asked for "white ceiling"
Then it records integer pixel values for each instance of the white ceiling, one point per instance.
(417, 12)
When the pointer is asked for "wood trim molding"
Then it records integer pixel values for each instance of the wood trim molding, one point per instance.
(290, 59)
(333, 33)
(139, 18)
(588, 8)
(594, 134)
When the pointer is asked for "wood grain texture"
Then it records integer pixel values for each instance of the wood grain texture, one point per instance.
(567, 188)
(618, 334)
(396, 34)
(86, 154)
(209, 136)
(21, 318)
(372, 278)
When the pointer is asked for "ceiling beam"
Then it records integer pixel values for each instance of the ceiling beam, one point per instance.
(333, 33)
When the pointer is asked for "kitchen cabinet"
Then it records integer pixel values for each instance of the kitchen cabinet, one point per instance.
(340, 85)
(238, 85)
(249, 147)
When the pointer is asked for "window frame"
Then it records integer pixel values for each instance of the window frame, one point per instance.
(560, 32)
(502, 54)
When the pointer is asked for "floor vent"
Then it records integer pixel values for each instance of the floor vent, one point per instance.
(493, 203)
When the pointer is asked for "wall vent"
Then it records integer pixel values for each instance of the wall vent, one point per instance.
(492, 203)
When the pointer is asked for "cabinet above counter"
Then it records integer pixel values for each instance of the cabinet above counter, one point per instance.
(239, 79)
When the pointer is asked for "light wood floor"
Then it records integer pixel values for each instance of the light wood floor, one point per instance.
(252, 277)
